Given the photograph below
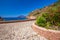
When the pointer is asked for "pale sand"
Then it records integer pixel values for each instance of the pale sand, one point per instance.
(19, 31)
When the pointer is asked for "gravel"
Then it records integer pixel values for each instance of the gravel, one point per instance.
(19, 31)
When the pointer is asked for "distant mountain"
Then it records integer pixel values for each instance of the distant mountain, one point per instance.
(21, 16)
(36, 13)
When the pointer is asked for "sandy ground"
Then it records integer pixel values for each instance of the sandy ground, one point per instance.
(19, 31)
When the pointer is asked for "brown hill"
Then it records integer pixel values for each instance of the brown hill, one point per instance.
(38, 12)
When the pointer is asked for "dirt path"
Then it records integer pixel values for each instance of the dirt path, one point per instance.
(19, 31)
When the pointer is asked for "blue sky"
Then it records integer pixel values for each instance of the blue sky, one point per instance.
(14, 8)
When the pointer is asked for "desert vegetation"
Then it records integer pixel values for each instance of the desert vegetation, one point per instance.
(50, 19)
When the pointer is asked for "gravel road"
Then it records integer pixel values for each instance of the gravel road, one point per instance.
(19, 31)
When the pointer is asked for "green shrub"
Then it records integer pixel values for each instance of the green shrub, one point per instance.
(48, 20)
(41, 21)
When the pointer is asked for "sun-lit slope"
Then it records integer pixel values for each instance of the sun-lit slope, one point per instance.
(37, 12)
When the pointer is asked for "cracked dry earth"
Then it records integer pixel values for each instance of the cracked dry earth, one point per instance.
(19, 31)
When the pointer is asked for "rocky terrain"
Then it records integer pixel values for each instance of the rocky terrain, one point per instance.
(19, 31)
(37, 12)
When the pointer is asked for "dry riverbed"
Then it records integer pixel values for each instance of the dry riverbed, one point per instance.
(19, 31)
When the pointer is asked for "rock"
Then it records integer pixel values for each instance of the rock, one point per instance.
(1, 19)
(31, 17)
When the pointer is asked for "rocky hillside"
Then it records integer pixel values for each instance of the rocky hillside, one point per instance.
(38, 12)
